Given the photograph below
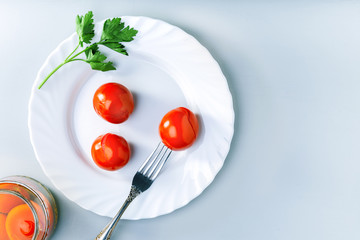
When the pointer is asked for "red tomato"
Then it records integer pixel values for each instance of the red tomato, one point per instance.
(110, 152)
(179, 128)
(113, 102)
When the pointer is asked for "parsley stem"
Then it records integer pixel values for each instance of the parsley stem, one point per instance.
(70, 58)
(53, 71)
(77, 59)
(73, 51)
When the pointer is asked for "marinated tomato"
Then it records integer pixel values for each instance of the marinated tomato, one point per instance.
(179, 128)
(110, 152)
(20, 223)
(113, 102)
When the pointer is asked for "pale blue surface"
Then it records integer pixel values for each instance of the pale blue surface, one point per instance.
(293, 171)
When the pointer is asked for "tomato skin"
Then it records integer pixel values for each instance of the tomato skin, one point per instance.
(179, 128)
(8, 201)
(110, 152)
(3, 233)
(20, 222)
(113, 102)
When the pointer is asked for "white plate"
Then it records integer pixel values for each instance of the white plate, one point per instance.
(166, 68)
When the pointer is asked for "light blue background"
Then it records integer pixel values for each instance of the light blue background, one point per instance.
(293, 68)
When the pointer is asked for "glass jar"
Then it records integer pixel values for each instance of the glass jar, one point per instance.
(27, 209)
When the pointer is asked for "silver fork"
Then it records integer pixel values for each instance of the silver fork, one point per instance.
(142, 180)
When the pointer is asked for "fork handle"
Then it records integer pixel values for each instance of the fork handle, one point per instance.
(105, 234)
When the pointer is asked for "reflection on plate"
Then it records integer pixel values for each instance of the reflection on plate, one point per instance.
(166, 68)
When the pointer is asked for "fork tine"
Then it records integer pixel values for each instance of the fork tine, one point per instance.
(159, 156)
(157, 168)
(155, 161)
(145, 166)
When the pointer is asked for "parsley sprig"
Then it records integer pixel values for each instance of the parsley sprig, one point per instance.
(113, 34)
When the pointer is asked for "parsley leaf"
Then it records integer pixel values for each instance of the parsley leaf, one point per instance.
(97, 60)
(114, 32)
(95, 56)
(92, 49)
(128, 34)
(118, 47)
(85, 28)
(102, 66)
